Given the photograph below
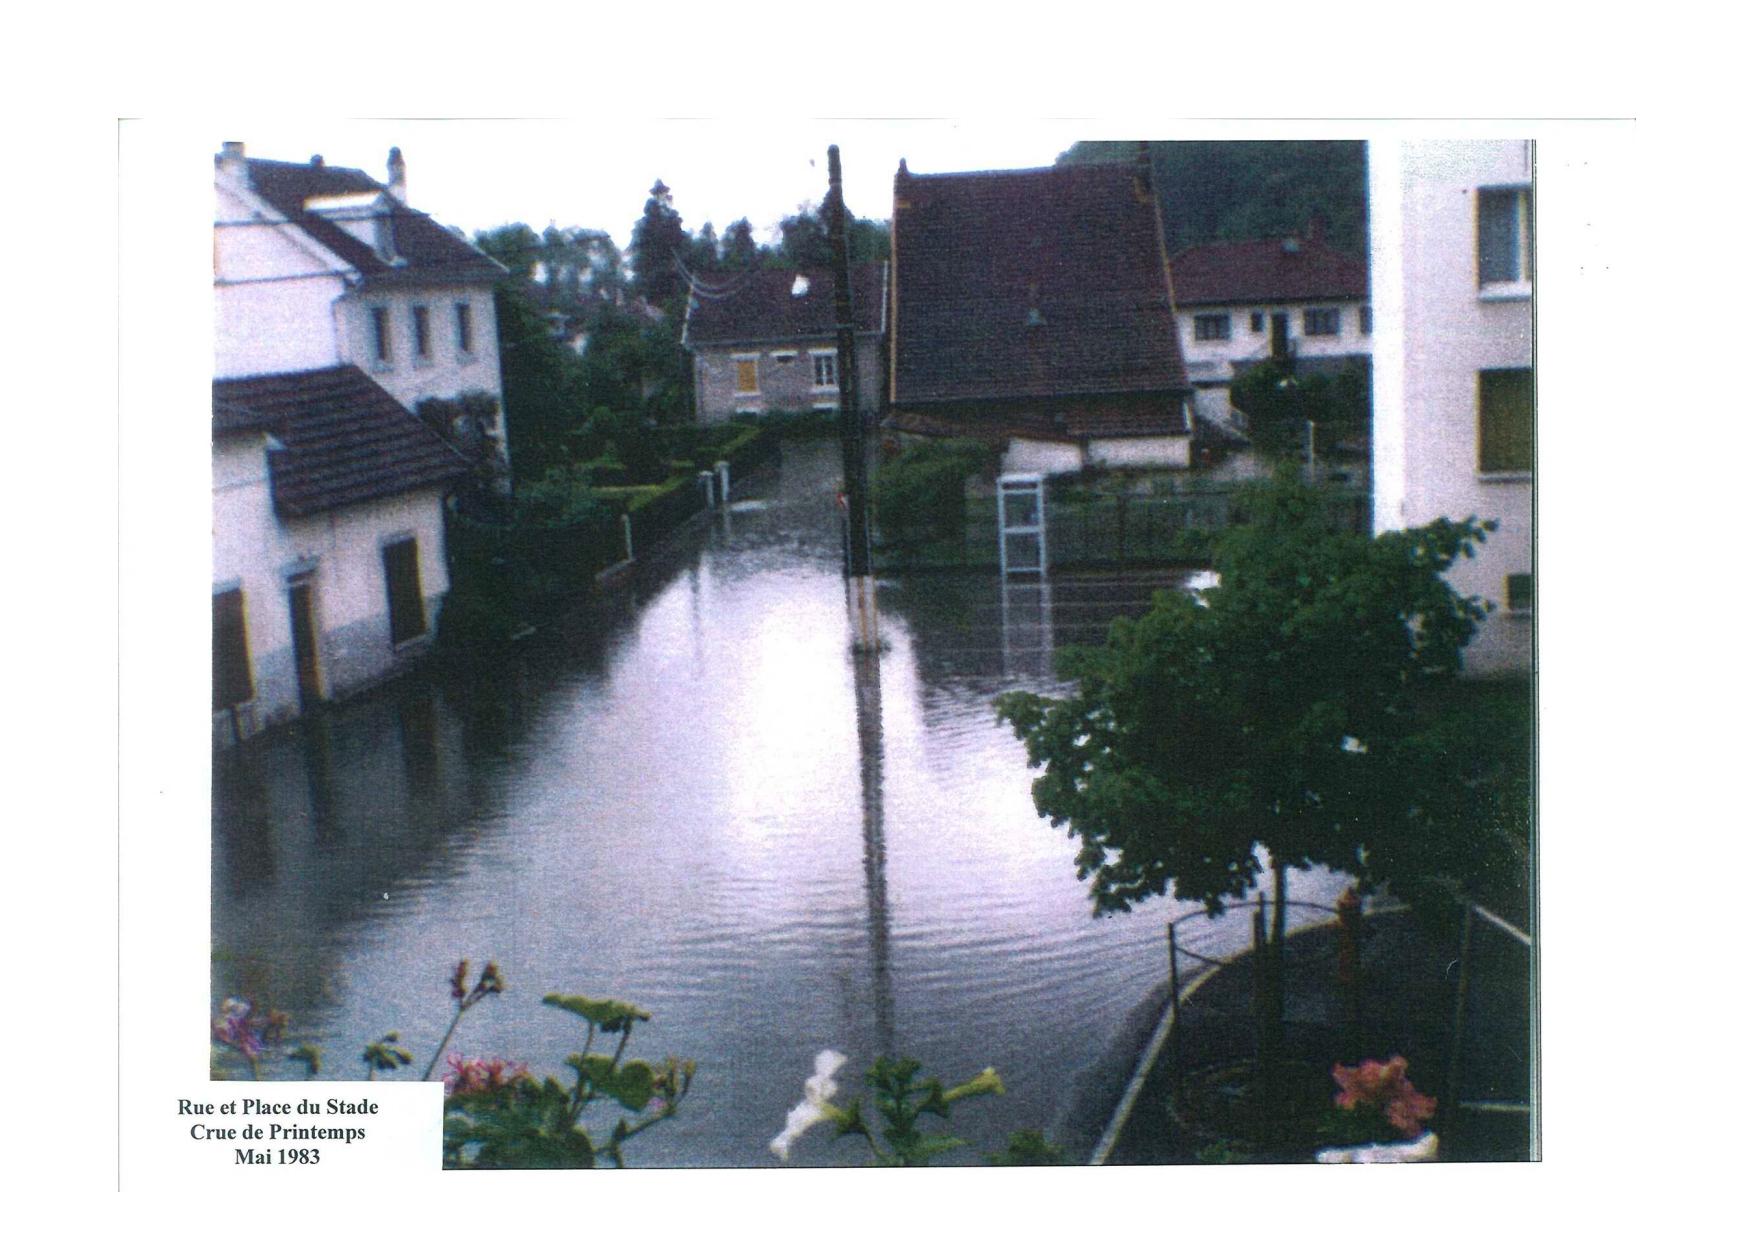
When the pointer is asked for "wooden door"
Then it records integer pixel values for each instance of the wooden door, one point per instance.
(302, 601)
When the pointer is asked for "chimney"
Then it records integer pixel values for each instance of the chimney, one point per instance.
(901, 179)
(231, 161)
(398, 176)
(316, 161)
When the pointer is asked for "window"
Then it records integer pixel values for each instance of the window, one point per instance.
(1507, 421)
(1321, 322)
(422, 333)
(465, 327)
(231, 651)
(402, 581)
(746, 378)
(1211, 327)
(1364, 321)
(1519, 593)
(1257, 321)
(823, 365)
(1506, 236)
(381, 335)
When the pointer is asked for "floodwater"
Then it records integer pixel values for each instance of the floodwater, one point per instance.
(694, 798)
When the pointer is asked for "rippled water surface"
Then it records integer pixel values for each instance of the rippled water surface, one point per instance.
(696, 799)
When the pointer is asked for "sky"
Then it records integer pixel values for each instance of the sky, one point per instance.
(477, 175)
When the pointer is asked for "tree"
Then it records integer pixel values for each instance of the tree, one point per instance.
(658, 241)
(1286, 718)
(740, 251)
(804, 240)
(543, 385)
(703, 251)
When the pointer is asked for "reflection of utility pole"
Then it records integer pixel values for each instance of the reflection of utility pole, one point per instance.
(868, 695)
(861, 586)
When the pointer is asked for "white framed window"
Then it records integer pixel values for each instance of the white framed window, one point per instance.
(1507, 421)
(382, 348)
(1211, 327)
(1321, 322)
(823, 372)
(1506, 236)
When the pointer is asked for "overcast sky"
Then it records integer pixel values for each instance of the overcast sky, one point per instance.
(596, 174)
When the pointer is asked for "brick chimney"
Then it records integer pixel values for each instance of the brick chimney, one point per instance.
(398, 182)
(231, 162)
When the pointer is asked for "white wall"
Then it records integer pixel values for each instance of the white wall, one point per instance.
(1436, 331)
(1039, 456)
(272, 292)
(255, 550)
(448, 372)
(1158, 451)
(1210, 360)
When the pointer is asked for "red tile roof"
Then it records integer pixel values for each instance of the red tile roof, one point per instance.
(1271, 269)
(343, 438)
(1041, 283)
(758, 306)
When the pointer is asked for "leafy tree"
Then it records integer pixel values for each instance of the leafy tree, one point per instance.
(1285, 718)
(740, 251)
(543, 383)
(804, 240)
(516, 247)
(658, 240)
(1279, 402)
(703, 250)
(1212, 191)
(920, 491)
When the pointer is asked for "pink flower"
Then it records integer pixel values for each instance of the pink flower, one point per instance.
(475, 1075)
(1385, 1089)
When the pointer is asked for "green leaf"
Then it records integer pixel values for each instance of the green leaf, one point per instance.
(606, 1014)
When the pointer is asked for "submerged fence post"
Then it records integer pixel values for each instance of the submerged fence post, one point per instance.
(1452, 1084)
(724, 471)
(1351, 913)
(1175, 1015)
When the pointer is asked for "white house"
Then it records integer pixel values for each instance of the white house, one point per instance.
(337, 310)
(1288, 299)
(1452, 279)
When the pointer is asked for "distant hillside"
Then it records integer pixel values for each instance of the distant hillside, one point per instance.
(1214, 191)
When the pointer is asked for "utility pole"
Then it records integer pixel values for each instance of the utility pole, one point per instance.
(861, 585)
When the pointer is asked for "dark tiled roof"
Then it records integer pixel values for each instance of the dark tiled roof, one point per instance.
(1061, 421)
(976, 253)
(344, 439)
(759, 306)
(430, 252)
(1266, 270)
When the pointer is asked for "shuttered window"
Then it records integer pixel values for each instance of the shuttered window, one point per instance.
(402, 579)
(746, 376)
(1507, 420)
(231, 652)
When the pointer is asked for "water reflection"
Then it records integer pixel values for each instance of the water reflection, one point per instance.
(694, 797)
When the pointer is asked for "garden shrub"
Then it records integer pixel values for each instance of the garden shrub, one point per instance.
(921, 490)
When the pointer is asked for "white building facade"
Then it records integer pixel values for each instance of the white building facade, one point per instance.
(337, 310)
(1452, 284)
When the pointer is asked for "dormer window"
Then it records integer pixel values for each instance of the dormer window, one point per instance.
(366, 217)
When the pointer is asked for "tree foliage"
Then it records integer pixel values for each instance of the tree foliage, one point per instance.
(921, 491)
(658, 241)
(1279, 402)
(1293, 710)
(1225, 191)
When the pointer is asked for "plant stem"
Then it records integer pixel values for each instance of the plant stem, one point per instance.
(443, 1042)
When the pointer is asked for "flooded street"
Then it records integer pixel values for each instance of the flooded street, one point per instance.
(695, 799)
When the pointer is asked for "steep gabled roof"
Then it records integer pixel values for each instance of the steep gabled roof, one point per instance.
(1269, 269)
(759, 306)
(423, 250)
(1037, 283)
(343, 438)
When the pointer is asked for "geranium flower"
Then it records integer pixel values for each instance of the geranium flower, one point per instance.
(478, 1075)
(815, 1105)
(1383, 1087)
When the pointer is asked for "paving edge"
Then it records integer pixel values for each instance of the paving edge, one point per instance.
(1160, 1037)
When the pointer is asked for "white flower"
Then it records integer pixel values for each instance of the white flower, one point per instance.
(814, 1108)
